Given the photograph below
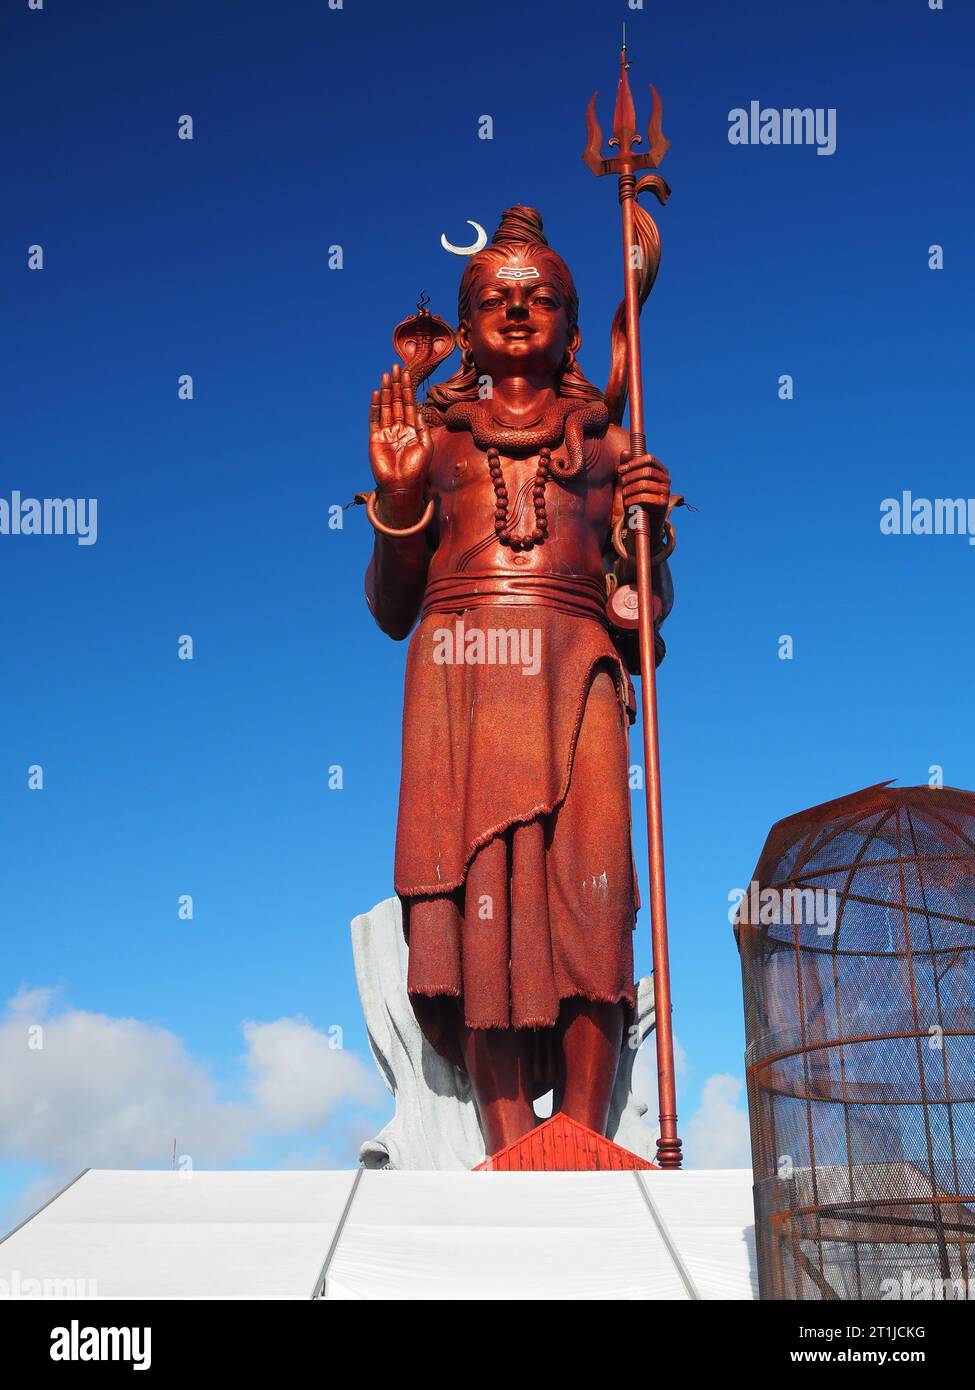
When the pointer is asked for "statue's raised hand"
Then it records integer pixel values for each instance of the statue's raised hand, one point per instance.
(400, 447)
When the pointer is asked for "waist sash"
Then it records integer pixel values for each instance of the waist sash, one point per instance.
(578, 595)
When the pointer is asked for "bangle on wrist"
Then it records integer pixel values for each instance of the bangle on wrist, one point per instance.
(384, 530)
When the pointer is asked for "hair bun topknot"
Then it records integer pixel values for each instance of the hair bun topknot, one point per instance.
(519, 225)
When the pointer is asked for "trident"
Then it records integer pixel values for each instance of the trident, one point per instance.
(625, 164)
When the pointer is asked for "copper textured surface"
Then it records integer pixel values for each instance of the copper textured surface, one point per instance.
(544, 904)
(513, 853)
(857, 944)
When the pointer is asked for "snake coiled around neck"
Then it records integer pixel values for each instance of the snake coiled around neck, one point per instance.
(567, 418)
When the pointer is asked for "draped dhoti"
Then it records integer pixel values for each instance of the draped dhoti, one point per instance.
(513, 855)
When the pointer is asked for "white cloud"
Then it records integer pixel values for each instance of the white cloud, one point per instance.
(31, 1003)
(106, 1092)
(716, 1135)
(298, 1075)
(80, 1089)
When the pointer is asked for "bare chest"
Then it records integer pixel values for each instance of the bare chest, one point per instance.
(569, 520)
(461, 475)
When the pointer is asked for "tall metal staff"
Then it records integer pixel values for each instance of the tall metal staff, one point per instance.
(624, 164)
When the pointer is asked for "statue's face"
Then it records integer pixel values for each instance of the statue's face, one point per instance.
(518, 325)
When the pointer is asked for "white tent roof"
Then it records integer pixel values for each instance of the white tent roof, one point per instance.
(391, 1235)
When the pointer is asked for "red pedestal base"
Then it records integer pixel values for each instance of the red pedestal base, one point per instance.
(562, 1145)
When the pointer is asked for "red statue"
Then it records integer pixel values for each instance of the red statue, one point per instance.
(501, 510)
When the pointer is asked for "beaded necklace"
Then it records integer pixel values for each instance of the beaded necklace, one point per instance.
(501, 521)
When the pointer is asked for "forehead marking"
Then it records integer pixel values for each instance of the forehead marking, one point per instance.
(517, 272)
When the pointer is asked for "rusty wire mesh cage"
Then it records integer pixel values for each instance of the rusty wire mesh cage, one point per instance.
(857, 941)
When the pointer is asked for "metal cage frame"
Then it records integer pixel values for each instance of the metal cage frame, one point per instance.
(860, 1060)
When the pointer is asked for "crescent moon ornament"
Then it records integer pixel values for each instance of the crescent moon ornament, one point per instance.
(478, 245)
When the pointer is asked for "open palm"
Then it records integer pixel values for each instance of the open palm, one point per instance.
(400, 447)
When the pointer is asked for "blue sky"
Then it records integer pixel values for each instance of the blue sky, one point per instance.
(358, 127)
